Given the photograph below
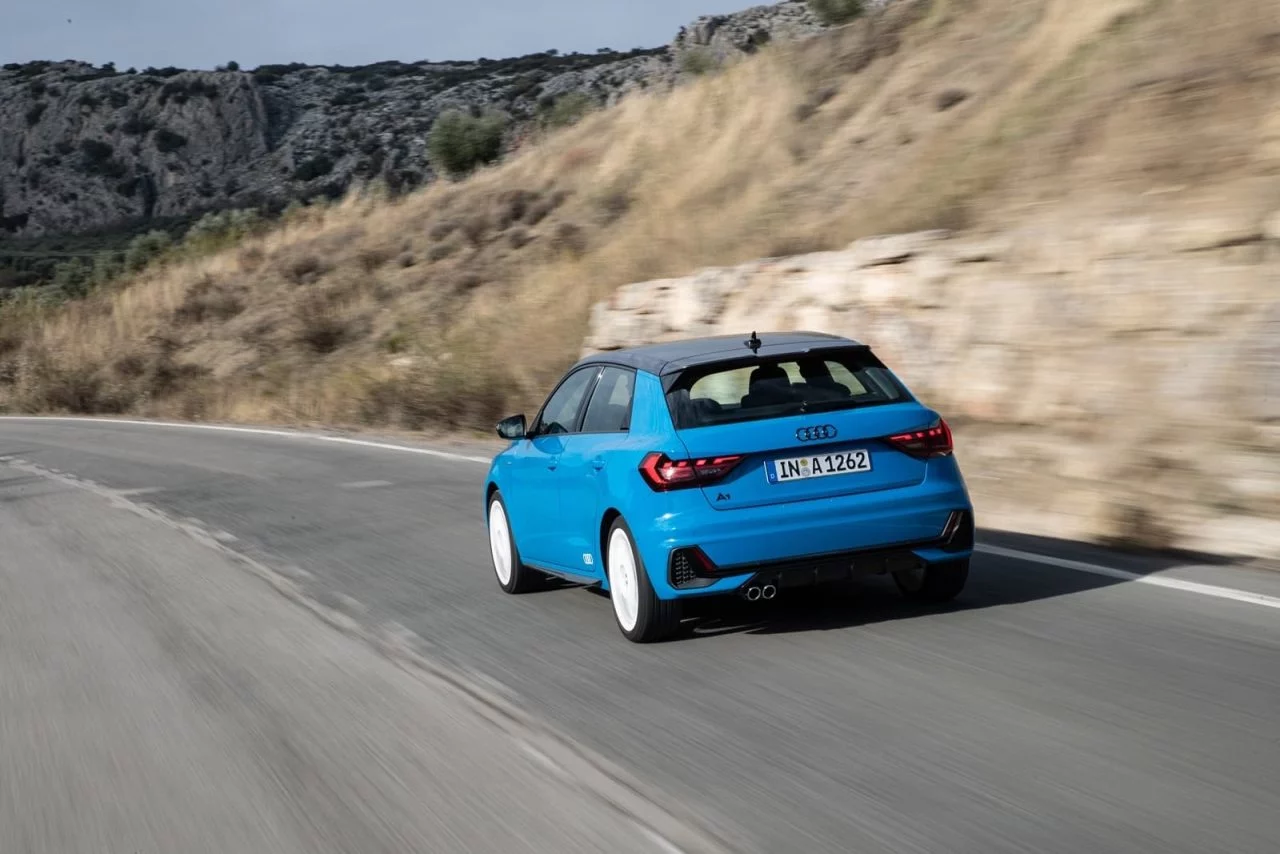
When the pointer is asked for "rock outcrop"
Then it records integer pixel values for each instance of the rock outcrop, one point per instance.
(1116, 382)
(722, 36)
(84, 147)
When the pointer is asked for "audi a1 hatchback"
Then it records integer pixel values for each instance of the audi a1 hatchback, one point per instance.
(728, 466)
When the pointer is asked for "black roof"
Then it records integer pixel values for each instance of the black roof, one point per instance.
(672, 356)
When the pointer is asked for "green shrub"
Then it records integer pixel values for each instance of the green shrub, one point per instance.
(568, 109)
(145, 248)
(524, 85)
(136, 125)
(97, 159)
(836, 12)
(169, 141)
(316, 167)
(459, 142)
(96, 151)
(72, 278)
(697, 60)
(215, 231)
(106, 267)
(350, 97)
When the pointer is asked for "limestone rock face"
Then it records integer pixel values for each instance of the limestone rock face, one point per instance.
(84, 148)
(75, 153)
(1133, 397)
(747, 31)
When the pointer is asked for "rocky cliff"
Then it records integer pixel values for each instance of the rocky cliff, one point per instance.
(84, 147)
(81, 148)
(1114, 380)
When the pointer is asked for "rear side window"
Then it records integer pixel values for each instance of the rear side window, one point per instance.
(733, 392)
(610, 407)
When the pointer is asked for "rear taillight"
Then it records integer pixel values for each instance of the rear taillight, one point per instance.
(663, 473)
(933, 441)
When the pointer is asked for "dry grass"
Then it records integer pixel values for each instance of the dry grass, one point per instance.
(453, 305)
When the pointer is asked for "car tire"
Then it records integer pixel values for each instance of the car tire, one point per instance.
(935, 583)
(641, 616)
(513, 576)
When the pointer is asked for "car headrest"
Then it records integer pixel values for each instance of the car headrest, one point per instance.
(769, 374)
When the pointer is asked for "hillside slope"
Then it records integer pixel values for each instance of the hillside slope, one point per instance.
(454, 304)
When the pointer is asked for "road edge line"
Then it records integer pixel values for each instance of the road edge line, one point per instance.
(1211, 590)
(256, 431)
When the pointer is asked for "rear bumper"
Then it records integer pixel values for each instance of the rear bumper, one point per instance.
(709, 552)
(689, 569)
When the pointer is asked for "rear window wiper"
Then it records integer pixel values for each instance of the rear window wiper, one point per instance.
(832, 405)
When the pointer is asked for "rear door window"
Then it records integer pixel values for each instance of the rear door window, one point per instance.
(733, 392)
(610, 408)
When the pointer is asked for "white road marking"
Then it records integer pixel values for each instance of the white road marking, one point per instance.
(259, 431)
(1124, 575)
(1045, 560)
(146, 490)
(366, 484)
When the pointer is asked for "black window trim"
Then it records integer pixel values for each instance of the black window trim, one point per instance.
(604, 366)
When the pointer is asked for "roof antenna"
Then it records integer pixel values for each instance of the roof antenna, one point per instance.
(753, 342)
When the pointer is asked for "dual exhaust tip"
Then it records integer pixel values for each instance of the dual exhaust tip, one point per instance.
(755, 593)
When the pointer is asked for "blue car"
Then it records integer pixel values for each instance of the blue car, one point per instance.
(728, 466)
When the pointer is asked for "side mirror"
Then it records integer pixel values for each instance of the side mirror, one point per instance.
(512, 428)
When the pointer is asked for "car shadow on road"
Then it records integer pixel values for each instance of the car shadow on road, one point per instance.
(556, 584)
(994, 581)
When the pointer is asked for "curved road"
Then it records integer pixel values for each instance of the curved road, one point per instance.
(1132, 706)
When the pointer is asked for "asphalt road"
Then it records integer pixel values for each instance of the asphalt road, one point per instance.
(1049, 710)
(155, 698)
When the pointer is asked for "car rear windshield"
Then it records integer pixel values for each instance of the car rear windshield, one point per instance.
(732, 392)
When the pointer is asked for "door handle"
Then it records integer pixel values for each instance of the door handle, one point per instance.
(597, 463)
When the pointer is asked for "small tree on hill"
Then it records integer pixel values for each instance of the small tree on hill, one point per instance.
(72, 278)
(145, 248)
(836, 12)
(460, 142)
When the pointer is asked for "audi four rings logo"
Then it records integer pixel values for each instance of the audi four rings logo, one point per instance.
(813, 434)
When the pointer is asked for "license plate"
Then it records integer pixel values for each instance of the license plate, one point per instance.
(818, 465)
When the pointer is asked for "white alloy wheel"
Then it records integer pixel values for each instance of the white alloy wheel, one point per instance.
(500, 542)
(624, 582)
